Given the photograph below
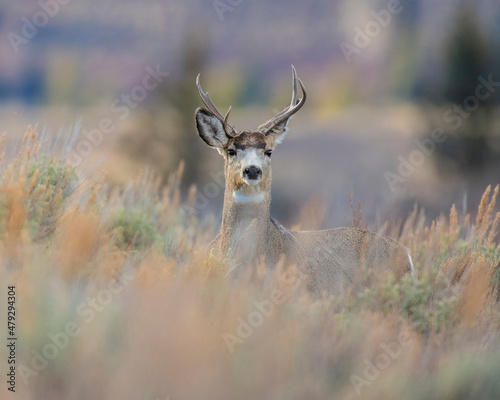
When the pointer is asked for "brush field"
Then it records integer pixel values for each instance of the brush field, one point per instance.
(116, 298)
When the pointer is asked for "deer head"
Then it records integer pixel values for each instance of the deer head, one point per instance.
(247, 154)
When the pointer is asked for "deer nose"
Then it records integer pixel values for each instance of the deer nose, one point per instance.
(253, 172)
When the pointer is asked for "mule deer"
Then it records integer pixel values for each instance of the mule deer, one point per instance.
(329, 259)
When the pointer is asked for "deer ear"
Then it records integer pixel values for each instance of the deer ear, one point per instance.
(279, 131)
(210, 129)
(276, 129)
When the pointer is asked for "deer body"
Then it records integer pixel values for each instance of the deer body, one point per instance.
(329, 259)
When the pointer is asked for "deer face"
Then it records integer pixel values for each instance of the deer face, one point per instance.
(247, 154)
(247, 157)
(248, 165)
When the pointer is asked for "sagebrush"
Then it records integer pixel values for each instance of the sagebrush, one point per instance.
(118, 298)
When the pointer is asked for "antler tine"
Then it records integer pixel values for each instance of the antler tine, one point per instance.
(298, 103)
(295, 105)
(225, 125)
(294, 87)
(206, 99)
(228, 128)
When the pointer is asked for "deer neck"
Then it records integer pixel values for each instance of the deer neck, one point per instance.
(245, 219)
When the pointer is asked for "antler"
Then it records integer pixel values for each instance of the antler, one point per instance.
(228, 128)
(295, 105)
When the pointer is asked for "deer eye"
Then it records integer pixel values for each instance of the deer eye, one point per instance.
(231, 152)
(268, 153)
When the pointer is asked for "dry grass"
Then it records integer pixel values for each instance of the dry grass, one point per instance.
(151, 317)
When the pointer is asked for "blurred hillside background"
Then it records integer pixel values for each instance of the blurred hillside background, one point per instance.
(403, 104)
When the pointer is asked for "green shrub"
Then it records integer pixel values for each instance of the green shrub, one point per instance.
(134, 229)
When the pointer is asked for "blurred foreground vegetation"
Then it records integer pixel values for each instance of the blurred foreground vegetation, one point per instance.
(117, 299)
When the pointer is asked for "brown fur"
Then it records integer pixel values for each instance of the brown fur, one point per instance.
(330, 260)
(251, 139)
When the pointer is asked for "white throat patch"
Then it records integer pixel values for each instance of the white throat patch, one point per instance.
(239, 197)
